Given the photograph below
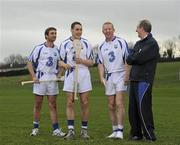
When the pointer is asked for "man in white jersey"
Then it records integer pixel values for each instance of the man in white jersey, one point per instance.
(44, 59)
(68, 61)
(112, 54)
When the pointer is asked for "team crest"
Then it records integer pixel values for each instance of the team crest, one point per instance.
(115, 46)
(55, 54)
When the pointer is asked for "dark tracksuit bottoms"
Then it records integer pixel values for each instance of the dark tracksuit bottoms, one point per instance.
(140, 109)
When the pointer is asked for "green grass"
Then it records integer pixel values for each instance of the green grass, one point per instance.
(16, 103)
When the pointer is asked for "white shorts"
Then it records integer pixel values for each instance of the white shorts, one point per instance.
(84, 81)
(46, 88)
(115, 83)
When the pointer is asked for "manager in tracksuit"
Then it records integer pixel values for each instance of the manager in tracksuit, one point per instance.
(143, 59)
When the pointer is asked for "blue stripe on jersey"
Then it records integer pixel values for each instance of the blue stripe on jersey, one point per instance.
(67, 39)
(98, 61)
(61, 58)
(35, 64)
(127, 47)
(114, 38)
(66, 45)
(124, 58)
(126, 50)
(120, 43)
(65, 59)
(85, 44)
(91, 55)
(84, 39)
(29, 58)
(101, 45)
(33, 51)
(40, 44)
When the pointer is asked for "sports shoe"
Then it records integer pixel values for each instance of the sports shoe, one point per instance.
(119, 135)
(112, 135)
(70, 135)
(84, 134)
(58, 132)
(35, 131)
(135, 138)
(150, 139)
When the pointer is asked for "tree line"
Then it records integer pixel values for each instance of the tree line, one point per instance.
(168, 51)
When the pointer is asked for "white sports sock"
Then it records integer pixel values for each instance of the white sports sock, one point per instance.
(70, 127)
(114, 127)
(120, 126)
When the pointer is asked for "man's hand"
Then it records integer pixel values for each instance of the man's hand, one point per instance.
(79, 60)
(66, 66)
(103, 81)
(126, 80)
(35, 80)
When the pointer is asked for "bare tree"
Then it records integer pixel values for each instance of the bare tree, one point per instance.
(15, 60)
(170, 46)
(164, 54)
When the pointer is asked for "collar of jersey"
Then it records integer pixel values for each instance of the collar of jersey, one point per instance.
(72, 39)
(111, 40)
(48, 47)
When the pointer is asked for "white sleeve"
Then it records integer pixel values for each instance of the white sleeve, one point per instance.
(58, 51)
(125, 49)
(62, 52)
(100, 58)
(35, 54)
(89, 54)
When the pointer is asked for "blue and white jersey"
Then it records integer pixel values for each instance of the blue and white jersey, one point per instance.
(113, 54)
(45, 58)
(67, 52)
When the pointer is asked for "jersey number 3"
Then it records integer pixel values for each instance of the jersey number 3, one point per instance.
(111, 56)
(49, 62)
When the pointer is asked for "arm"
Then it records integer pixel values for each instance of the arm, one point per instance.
(87, 62)
(64, 65)
(89, 57)
(31, 71)
(127, 73)
(61, 63)
(101, 73)
(143, 55)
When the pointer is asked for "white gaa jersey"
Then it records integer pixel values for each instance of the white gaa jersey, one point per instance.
(113, 54)
(67, 52)
(46, 59)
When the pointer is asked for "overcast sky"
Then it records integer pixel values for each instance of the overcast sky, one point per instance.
(22, 22)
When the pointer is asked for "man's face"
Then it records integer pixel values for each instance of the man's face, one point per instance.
(77, 31)
(108, 31)
(139, 30)
(51, 36)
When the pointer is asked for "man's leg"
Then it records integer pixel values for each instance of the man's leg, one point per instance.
(134, 115)
(147, 115)
(36, 111)
(53, 109)
(84, 114)
(54, 118)
(120, 112)
(112, 114)
(70, 115)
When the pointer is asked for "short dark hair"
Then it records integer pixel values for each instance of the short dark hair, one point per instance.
(108, 23)
(146, 25)
(49, 29)
(75, 23)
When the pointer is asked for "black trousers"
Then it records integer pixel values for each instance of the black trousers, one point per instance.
(140, 110)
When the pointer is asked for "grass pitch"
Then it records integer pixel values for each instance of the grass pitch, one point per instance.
(16, 103)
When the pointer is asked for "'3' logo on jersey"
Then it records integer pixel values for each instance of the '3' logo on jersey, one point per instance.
(49, 62)
(111, 56)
